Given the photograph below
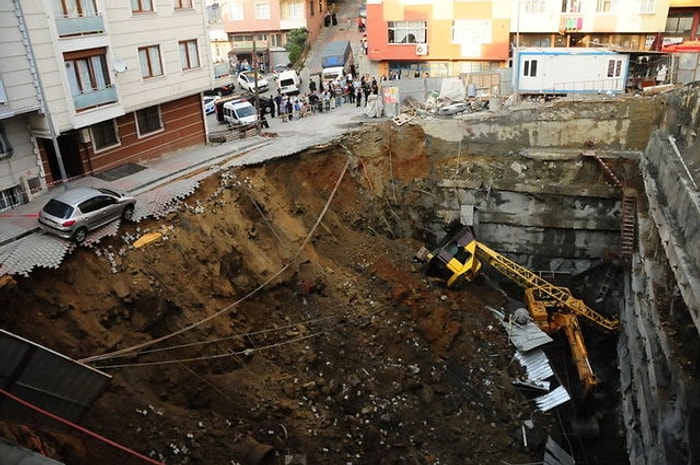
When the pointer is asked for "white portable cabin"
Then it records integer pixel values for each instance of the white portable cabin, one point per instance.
(569, 70)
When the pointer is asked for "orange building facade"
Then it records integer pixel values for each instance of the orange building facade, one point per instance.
(441, 38)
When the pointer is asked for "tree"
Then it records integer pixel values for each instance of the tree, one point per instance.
(296, 42)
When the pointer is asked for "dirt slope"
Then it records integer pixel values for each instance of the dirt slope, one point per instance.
(348, 355)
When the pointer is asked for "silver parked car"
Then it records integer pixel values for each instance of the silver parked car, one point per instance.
(71, 214)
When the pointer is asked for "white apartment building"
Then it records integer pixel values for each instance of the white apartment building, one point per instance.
(94, 84)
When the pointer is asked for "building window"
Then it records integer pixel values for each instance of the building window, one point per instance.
(148, 120)
(10, 198)
(183, 4)
(679, 23)
(262, 9)
(407, 32)
(534, 6)
(104, 135)
(530, 68)
(605, 6)
(149, 57)
(87, 71)
(647, 6)
(294, 11)
(235, 10)
(189, 56)
(570, 6)
(467, 31)
(312, 10)
(141, 6)
(6, 149)
(75, 8)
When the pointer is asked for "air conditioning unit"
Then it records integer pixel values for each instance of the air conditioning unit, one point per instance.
(85, 136)
(421, 49)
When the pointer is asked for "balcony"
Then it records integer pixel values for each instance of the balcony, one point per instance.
(95, 98)
(77, 26)
(248, 45)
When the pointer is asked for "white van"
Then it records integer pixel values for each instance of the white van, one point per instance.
(240, 113)
(288, 82)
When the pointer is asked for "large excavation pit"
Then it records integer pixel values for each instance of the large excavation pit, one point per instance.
(283, 307)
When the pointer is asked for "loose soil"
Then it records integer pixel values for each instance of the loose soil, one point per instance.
(335, 350)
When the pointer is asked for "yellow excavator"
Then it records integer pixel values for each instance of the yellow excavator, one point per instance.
(551, 307)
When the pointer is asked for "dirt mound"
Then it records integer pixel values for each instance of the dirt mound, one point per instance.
(335, 350)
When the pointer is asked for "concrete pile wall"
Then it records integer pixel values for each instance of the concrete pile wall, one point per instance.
(660, 344)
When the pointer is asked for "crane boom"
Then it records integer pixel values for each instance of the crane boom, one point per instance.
(551, 307)
(460, 255)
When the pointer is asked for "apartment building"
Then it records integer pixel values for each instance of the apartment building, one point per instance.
(442, 38)
(20, 165)
(97, 84)
(623, 24)
(682, 22)
(256, 30)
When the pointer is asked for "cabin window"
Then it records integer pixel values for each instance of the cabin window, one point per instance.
(614, 68)
(530, 68)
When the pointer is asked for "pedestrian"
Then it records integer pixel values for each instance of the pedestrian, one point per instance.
(358, 96)
(289, 108)
(263, 120)
(271, 104)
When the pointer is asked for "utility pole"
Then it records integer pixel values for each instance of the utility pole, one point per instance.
(256, 65)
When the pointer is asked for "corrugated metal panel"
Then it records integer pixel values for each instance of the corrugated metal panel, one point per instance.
(526, 337)
(536, 364)
(555, 455)
(12, 454)
(47, 380)
(552, 399)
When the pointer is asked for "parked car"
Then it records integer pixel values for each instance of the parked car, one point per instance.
(288, 82)
(209, 104)
(220, 91)
(240, 113)
(277, 69)
(247, 81)
(73, 213)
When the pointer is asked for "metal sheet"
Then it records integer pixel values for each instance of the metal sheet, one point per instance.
(12, 454)
(552, 399)
(45, 379)
(526, 337)
(536, 364)
(555, 455)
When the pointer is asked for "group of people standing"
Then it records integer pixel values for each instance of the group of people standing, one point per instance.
(329, 95)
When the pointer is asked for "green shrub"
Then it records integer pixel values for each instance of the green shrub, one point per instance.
(296, 43)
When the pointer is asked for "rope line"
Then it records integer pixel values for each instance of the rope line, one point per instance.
(248, 351)
(226, 309)
(79, 428)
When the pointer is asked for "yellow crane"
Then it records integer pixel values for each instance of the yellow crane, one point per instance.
(551, 307)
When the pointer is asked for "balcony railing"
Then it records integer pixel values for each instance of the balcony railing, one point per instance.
(81, 25)
(248, 45)
(95, 98)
